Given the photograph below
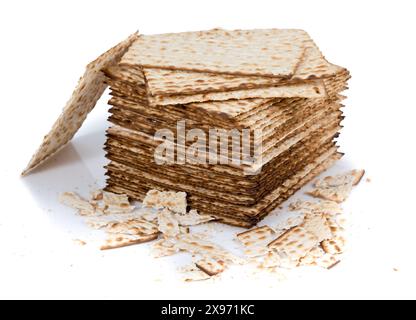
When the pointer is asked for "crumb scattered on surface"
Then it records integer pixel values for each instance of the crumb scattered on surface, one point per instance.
(79, 242)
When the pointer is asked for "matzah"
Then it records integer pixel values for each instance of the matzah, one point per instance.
(133, 227)
(74, 201)
(193, 218)
(296, 243)
(168, 224)
(269, 52)
(90, 88)
(211, 266)
(337, 188)
(317, 225)
(174, 201)
(116, 203)
(115, 241)
(273, 85)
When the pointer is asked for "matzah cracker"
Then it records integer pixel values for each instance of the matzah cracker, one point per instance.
(290, 222)
(115, 241)
(148, 214)
(314, 89)
(272, 52)
(255, 236)
(195, 245)
(102, 221)
(168, 224)
(296, 243)
(116, 203)
(164, 248)
(317, 225)
(338, 194)
(174, 201)
(256, 240)
(90, 88)
(278, 259)
(193, 273)
(319, 258)
(211, 266)
(74, 201)
(335, 245)
(193, 218)
(133, 227)
(326, 207)
(337, 188)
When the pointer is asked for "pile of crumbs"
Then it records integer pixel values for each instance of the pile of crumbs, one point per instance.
(315, 235)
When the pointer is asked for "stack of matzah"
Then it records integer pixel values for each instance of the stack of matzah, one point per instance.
(272, 82)
(276, 81)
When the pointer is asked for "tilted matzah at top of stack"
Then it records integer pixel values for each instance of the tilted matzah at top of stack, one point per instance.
(266, 52)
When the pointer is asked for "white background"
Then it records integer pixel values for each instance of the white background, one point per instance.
(44, 48)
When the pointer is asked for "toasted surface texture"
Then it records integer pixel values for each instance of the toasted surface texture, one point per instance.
(270, 52)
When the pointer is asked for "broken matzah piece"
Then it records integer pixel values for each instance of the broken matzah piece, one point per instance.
(73, 200)
(115, 241)
(116, 203)
(317, 225)
(193, 218)
(296, 243)
(337, 188)
(278, 259)
(102, 221)
(164, 248)
(211, 266)
(289, 223)
(174, 201)
(168, 224)
(193, 273)
(322, 206)
(133, 227)
(256, 240)
(334, 245)
(319, 258)
(196, 245)
(148, 214)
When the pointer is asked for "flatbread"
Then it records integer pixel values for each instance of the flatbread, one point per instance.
(268, 52)
(193, 273)
(196, 245)
(326, 207)
(90, 88)
(174, 201)
(164, 248)
(73, 200)
(136, 227)
(336, 188)
(115, 241)
(168, 224)
(313, 89)
(116, 203)
(193, 218)
(211, 266)
(296, 243)
(255, 241)
(317, 225)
